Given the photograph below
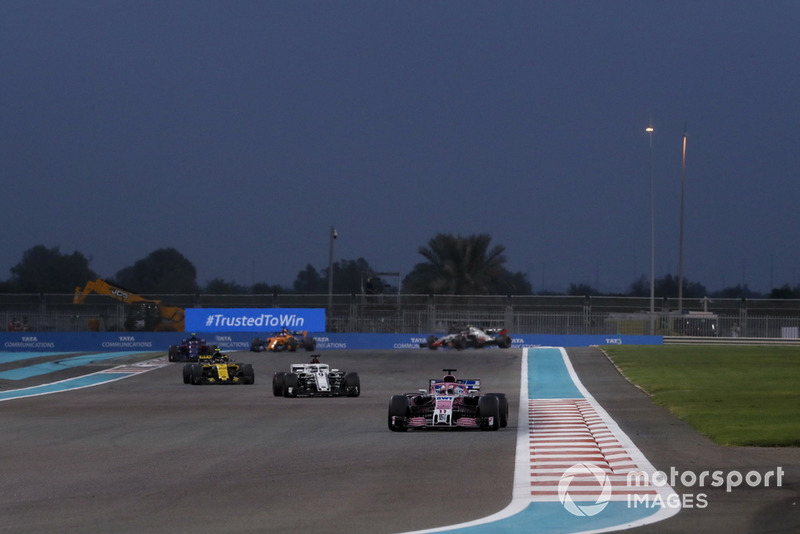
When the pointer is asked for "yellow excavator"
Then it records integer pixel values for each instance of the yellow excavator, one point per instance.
(144, 315)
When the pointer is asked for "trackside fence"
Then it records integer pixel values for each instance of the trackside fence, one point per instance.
(420, 314)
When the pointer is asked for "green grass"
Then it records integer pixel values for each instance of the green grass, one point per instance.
(735, 395)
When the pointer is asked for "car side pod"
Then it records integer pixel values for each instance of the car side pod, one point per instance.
(399, 411)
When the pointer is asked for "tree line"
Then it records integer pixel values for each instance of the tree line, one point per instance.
(452, 265)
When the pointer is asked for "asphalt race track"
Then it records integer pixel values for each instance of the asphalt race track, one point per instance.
(151, 454)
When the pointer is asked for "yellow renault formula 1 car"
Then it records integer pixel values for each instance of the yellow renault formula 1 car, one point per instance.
(217, 368)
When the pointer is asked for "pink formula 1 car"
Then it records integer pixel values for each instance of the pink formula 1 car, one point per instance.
(449, 403)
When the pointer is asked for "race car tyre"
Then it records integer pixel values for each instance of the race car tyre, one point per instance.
(431, 342)
(489, 406)
(290, 385)
(503, 401)
(292, 344)
(352, 384)
(256, 345)
(248, 375)
(173, 351)
(277, 384)
(504, 342)
(187, 373)
(398, 407)
(309, 343)
(459, 343)
(196, 374)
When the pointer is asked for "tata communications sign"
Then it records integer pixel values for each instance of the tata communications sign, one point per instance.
(254, 319)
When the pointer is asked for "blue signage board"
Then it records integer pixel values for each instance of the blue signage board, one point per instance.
(12, 343)
(254, 319)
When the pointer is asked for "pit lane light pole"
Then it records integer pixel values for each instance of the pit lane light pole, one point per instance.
(650, 131)
(333, 235)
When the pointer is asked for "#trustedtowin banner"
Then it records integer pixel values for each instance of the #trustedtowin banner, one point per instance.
(254, 319)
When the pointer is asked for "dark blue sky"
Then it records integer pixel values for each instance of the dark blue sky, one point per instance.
(239, 132)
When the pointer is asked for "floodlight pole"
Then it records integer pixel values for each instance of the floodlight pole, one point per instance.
(650, 130)
(680, 247)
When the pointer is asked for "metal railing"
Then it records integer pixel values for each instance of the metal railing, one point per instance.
(419, 314)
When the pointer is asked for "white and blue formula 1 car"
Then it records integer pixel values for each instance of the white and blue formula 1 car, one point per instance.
(315, 380)
(462, 337)
(449, 403)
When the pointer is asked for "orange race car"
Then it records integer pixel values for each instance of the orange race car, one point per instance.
(284, 340)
